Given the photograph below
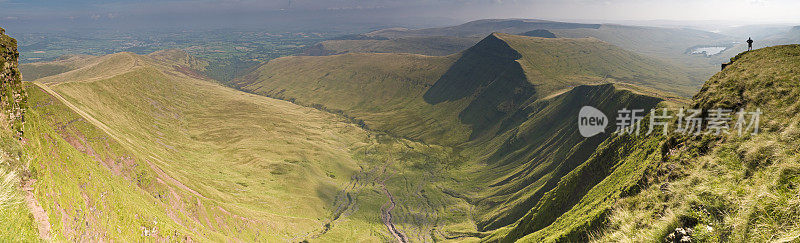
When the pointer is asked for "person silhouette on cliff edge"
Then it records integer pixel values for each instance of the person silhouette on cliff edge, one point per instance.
(749, 44)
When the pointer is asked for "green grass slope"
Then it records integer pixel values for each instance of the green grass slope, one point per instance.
(670, 45)
(526, 162)
(224, 160)
(727, 187)
(582, 199)
(90, 187)
(502, 104)
(482, 28)
(412, 95)
(566, 60)
(183, 157)
(152, 150)
(18, 223)
(36, 70)
(424, 45)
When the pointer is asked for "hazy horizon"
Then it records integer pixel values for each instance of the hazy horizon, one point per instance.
(24, 16)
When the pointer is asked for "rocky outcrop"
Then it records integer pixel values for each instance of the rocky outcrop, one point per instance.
(12, 93)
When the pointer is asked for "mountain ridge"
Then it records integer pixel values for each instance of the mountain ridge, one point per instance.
(505, 119)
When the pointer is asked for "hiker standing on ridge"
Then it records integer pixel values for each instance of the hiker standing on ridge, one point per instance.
(749, 44)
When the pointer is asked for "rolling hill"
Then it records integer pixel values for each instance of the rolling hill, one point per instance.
(424, 45)
(671, 45)
(724, 187)
(501, 103)
(423, 147)
(480, 145)
(145, 124)
(131, 147)
(484, 27)
(438, 99)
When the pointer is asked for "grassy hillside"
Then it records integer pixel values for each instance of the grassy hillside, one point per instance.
(478, 145)
(526, 160)
(484, 27)
(216, 156)
(566, 60)
(501, 104)
(18, 223)
(412, 95)
(717, 187)
(162, 153)
(671, 45)
(425, 45)
(36, 70)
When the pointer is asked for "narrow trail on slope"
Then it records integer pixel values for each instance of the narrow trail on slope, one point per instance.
(80, 112)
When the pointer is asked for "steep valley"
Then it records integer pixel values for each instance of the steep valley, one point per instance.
(166, 155)
(479, 145)
(502, 104)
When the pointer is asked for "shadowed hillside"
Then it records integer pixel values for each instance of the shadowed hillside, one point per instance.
(670, 45)
(728, 187)
(541, 145)
(430, 98)
(477, 145)
(503, 103)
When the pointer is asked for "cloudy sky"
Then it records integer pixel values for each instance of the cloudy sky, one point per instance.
(749, 11)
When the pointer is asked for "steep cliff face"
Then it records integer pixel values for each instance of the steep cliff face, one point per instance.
(12, 94)
(16, 193)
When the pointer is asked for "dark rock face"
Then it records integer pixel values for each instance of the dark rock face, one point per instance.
(12, 93)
